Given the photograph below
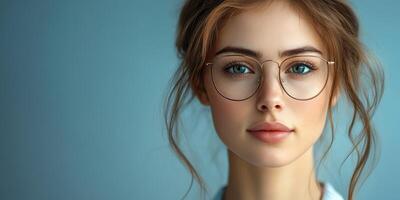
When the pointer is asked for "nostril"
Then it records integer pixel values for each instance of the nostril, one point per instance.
(264, 107)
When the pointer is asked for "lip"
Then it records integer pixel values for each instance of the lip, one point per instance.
(270, 132)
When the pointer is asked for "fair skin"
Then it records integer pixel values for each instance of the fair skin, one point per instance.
(257, 170)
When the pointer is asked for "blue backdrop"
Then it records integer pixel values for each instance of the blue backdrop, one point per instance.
(81, 85)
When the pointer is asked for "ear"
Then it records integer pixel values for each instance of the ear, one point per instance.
(203, 97)
(201, 94)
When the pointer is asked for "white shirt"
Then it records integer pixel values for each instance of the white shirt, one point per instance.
(329, 193)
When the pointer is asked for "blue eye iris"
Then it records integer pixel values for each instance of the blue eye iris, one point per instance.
(300, 68)
(238, 69)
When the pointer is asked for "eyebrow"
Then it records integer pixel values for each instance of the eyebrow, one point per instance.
(257, 54)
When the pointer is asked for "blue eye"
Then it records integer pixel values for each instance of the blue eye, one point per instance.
(300, 68)
(238, 69)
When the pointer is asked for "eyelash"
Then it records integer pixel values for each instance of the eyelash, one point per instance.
(308, 64)
(233, 63)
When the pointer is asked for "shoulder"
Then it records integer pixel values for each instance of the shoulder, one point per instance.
(330, 193)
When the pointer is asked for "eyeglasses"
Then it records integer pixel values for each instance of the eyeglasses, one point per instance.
(238, 77)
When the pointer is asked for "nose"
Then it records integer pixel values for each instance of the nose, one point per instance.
(270, 93)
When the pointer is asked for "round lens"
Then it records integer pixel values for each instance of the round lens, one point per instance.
(303, 77)
(235, 77)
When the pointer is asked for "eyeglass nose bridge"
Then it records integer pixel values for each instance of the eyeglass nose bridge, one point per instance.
(262, 78)
(262, 68)
(262, 63)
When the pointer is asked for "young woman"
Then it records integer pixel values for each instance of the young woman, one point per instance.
(271, 73)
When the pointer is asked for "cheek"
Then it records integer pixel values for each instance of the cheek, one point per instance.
(229, 117)
(310, 117)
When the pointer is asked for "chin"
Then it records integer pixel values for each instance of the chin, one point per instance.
(268, 159)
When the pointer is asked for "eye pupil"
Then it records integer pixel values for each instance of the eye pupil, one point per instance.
(239, 68)
(300, 68)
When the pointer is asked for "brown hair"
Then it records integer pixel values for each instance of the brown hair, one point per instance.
(338, 27)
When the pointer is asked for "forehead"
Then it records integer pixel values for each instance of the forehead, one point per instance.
(269, 29)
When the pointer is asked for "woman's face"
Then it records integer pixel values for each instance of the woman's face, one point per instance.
(268, 30)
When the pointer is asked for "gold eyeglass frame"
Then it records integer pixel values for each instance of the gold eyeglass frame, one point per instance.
(260, 80)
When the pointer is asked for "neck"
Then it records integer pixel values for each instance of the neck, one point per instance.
(296, 180)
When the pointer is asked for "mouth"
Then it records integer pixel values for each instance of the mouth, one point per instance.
(271, 136)
(270, 132)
